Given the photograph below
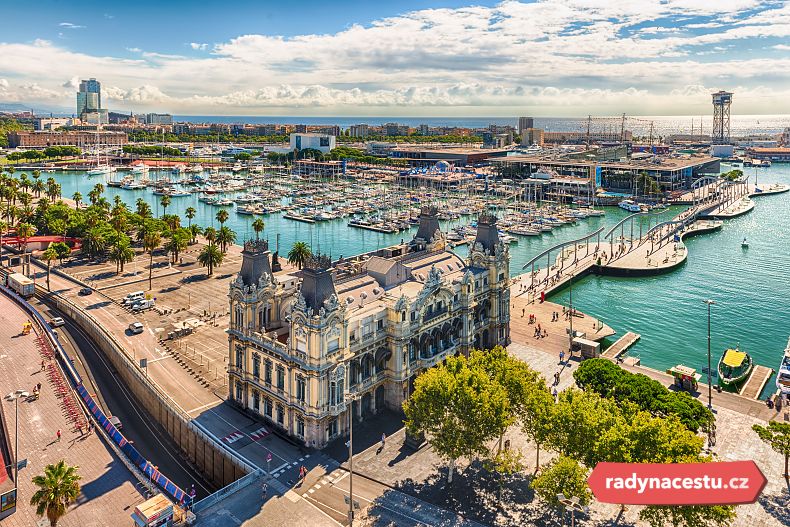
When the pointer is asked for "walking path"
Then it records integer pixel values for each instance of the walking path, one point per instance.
(109, 492)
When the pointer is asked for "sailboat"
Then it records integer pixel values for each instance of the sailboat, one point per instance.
(745, 244)
(100, 169)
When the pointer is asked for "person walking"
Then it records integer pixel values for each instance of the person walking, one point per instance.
(383, 439)
(265, 489)
(43, 363)
(58, 434)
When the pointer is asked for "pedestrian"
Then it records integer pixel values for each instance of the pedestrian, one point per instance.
(523, 310)
(58, 434)
(383, 439)
(42, 365)
(265, 489)
(556, 378)
(79, 427)
(554, 393)
(562, 357)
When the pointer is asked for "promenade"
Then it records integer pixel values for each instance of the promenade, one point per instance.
(109, 491)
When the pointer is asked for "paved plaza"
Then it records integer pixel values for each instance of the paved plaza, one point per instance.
(109, 492)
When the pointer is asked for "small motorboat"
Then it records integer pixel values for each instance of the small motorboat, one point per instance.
(734, 367)
(745, 244)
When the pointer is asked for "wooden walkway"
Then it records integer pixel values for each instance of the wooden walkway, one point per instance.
(621, 346)
(756, 382)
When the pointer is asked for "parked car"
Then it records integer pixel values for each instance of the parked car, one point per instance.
(143, 304)
(133, 298)
(136, 327)
(57, 322)
(85, 291)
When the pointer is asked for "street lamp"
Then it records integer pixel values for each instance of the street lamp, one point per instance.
(570, 315)
(15, 396)
(710, 388)
(350, 397)
(573, 504)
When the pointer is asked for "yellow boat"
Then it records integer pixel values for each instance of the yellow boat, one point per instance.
(734, 367)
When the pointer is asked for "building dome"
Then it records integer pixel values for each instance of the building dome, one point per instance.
(442, 166)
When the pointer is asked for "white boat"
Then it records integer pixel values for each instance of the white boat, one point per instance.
(139, 168)
(630, 205)
(745, 244)
(101, 170)
(783, 375)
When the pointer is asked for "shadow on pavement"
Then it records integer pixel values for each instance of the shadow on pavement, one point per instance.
(366, 434)
(777, 505)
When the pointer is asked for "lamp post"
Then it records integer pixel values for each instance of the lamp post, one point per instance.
(350, 397)
(710, 386)
(570, 315)
(574, 505)
(15, 396)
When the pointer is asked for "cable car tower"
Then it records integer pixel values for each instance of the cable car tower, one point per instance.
(721, 117)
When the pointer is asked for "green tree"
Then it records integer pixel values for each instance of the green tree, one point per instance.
(210, 257)
(121, 253)
(258, 227)
(222, 216)
(49, 255)
(194, 231)
(537, 418)
(77, 197)
(688, 516)
(143, 208)
(225, 237)
(151, 240)
(165, 202)
(62, 250)
(777, 435)
(25, 231)
(299, 254)
(190, 213)
(178, 241)
(458, 408)
(562, 475)
(58, 488)
(94, 242)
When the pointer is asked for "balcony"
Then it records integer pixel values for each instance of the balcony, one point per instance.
(433, 315)
(336, 409)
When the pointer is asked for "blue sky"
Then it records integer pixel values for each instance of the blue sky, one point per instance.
(552, 57)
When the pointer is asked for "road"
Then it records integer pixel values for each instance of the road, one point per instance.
(143, 431)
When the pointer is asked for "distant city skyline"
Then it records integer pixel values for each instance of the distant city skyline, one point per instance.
(438, 59)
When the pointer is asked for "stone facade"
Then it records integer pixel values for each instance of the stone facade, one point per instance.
(302, 340)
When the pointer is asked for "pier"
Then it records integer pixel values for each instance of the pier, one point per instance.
(621, 346)
(756, 382)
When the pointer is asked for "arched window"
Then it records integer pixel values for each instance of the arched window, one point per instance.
(239, 316)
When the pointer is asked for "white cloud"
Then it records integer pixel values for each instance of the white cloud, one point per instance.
(551, 55)
(3, 84)
(73, 83)
(69, 25)
(782, 47)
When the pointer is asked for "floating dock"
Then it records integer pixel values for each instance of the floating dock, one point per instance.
(756, 382)
(621, 345)
(298, 217)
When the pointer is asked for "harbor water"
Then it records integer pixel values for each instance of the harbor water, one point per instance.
(749, 285)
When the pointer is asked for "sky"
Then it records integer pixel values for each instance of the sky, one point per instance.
(406, 58)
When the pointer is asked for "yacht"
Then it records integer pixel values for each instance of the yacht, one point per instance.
(783, 375)
(630, 205)
(101, 170)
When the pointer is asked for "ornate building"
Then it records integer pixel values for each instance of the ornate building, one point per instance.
(300, 340)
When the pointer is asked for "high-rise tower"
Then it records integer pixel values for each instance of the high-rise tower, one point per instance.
(721, 117)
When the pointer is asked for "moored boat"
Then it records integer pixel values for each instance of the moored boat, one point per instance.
(783, 375)
(734, 367)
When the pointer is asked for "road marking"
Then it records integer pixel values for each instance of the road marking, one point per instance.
(317, 486)
(259, 434)
(233, 437)
(311, 491)
(310, 499)
(200, 407)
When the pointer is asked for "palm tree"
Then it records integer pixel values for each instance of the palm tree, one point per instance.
(143, 208)
(299, 254)
(222, 216)
(210, 234)
(58, 488)
(190, 213)
(178, 241)
(25, 231)
(121, 253)
(195, 230)
(258, 226)
(77, 197)
(38, 188)
(210, 257)
(225, 237)
(93, 243)
(151, 241)
(165, 201)
(49, 255)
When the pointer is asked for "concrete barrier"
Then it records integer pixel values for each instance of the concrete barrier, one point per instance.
(218, 464)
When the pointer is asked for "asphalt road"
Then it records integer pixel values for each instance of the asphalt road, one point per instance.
(101, 379)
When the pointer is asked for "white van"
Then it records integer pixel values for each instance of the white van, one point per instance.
(141, 305)
(131, 298)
